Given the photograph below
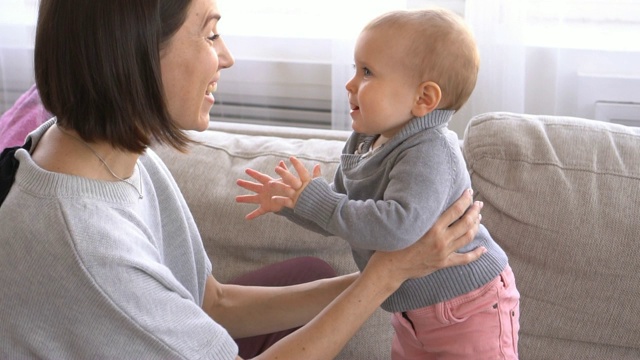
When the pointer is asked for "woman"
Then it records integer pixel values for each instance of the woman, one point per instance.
(112, 265)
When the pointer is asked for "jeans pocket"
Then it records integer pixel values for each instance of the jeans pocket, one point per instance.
(481, 300)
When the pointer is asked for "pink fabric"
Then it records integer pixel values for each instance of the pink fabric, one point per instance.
(22, 118)
(289, 272)
(482, 324)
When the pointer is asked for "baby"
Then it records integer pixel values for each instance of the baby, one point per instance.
(400, 169)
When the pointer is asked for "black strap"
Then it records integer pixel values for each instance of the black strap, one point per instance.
(8, 168)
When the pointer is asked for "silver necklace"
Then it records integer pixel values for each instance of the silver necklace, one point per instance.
(139, 191)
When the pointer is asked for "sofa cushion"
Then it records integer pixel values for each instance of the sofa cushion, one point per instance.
(561, 197)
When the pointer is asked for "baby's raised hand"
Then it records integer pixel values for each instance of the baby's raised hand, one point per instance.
(265, 189)
(296, 184)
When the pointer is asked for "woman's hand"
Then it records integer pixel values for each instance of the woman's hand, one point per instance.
(454, 229)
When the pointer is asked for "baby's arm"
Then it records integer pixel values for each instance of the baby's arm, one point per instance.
(415, 193)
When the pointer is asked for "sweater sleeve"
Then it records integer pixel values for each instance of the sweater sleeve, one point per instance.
(418, 188)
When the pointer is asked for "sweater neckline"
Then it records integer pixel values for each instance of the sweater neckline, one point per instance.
(432, 120)
(39, 182)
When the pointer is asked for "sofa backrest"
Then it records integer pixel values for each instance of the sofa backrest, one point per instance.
(562, 197)
(207, 177)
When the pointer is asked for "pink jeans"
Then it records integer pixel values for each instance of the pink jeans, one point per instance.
(482, 324)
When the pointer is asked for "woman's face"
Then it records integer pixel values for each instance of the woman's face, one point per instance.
(190, 64)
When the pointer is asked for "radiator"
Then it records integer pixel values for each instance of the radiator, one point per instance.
(275, 93)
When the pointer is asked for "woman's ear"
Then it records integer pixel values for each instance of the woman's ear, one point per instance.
(428, 99)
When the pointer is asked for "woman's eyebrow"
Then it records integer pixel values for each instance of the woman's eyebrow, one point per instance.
(209, 18)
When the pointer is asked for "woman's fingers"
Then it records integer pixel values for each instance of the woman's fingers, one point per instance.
(457, 209)
(457, 259)
(464, 230)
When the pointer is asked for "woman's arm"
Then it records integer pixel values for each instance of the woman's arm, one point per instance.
(253, 310)
(258, 310)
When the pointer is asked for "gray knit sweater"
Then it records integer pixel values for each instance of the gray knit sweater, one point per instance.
(89, 271)
(388, 199)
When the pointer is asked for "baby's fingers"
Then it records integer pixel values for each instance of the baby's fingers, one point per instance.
(288, 178)
(283, 200)
(281, 164)
(254, 214)
(262, 178)
(277, 188)
(300, 169)
(251, 186)
(248, 199)
(316, 171)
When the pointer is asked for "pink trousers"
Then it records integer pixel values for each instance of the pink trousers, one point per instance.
(482, 324)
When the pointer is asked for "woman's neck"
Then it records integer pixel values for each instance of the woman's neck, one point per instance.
(63, 151)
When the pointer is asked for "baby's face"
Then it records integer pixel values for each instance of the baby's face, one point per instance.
(381, 92)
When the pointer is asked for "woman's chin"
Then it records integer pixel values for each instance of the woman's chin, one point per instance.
(203, 123)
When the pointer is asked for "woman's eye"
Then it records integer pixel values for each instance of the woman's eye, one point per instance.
(213, 37)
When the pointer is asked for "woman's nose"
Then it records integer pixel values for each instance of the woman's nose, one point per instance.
(225, 58)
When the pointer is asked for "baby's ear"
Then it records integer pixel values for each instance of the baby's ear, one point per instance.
(428, 97)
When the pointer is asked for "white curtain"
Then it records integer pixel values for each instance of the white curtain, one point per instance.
(17, 34)
(498, 26)
(555, 57)
(537, 56)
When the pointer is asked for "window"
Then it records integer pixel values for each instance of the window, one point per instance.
(611, 25)
(294, 57)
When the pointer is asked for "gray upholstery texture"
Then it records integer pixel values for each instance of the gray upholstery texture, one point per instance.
(561, 197)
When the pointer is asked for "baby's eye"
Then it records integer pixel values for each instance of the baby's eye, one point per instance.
(366, 71)
(213, 37)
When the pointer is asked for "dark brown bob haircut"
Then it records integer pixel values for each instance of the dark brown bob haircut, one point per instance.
(97, 69)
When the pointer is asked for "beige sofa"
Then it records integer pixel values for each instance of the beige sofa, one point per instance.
(561, 196)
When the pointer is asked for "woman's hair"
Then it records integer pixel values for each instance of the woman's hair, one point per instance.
(97, 68)
(441, 48)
